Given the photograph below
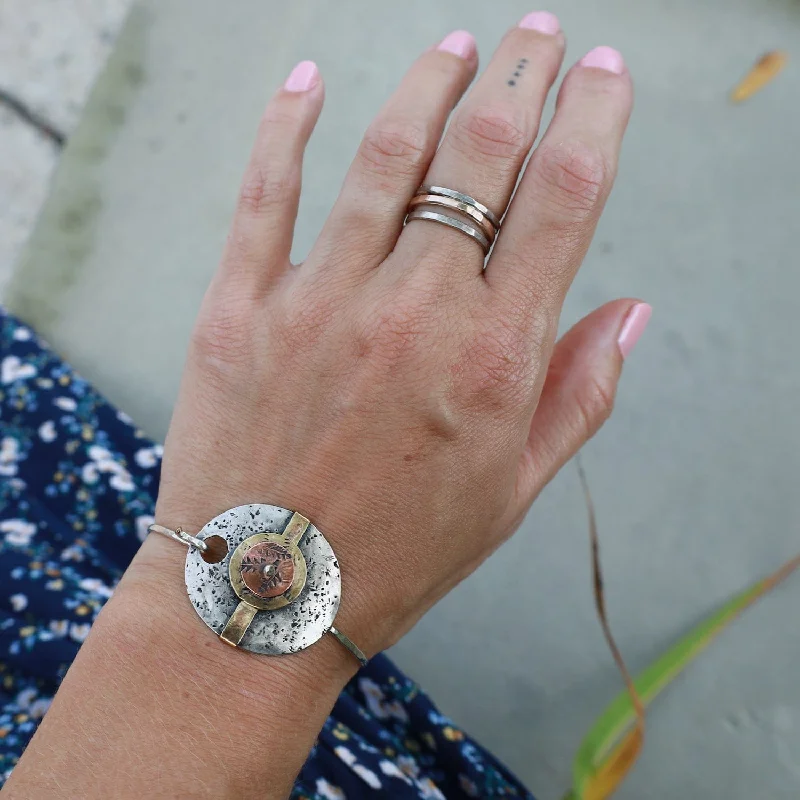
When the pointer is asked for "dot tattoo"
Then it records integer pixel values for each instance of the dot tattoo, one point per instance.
(521, 64)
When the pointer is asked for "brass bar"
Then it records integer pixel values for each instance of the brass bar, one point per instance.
(238, 624)
(295, 528)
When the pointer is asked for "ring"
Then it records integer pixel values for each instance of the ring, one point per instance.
(481, 224)
(452, 222)
(462, 198)
(449, 202)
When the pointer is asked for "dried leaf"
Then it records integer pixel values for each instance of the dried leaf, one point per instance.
(614, 742)
(764, 70)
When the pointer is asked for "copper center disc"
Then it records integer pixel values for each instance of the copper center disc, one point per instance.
(267, 569)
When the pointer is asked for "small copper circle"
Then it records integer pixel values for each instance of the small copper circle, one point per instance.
(267, 569)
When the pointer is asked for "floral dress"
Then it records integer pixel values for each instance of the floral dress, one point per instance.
(78, 483)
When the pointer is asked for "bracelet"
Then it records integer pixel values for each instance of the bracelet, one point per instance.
(261, 558)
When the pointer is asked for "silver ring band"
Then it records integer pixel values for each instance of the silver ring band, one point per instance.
(352, 647)
(179, 536)
(462, 198)
(452, 222)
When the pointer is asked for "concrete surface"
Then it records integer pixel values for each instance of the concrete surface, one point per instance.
(694, 478)
(50, 54)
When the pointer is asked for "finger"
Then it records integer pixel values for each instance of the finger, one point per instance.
(491, 134)
(555, 210)
(260, 241)
(393, 156)
(579, 390)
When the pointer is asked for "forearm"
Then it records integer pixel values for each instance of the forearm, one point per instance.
(155, 705)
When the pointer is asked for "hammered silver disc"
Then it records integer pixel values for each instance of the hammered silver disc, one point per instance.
(289, 629)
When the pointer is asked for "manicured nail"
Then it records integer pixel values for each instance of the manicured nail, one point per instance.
(542, 21)
(604, 58)
(459, 43)
(633, 327)
(303, 77)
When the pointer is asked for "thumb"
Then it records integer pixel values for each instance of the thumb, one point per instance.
(579, 390)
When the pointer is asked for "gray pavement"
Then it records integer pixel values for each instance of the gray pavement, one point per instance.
(695, 476)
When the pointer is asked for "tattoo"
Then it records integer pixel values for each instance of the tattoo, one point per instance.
(521, 64)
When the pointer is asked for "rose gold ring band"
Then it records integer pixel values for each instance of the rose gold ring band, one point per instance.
(481, 224)
(456, 205)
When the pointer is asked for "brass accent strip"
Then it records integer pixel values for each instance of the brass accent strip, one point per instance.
(238, 624)
(295, 528)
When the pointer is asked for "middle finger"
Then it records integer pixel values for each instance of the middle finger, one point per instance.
(490, 136)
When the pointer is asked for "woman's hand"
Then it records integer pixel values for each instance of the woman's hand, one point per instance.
(406, 401)
(409, 403)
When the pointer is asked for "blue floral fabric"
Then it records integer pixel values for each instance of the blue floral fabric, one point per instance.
(78, 483)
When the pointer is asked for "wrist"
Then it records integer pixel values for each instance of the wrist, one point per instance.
(153, 595)
(372, 613)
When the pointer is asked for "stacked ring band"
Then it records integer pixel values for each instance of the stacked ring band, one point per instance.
(470, 216)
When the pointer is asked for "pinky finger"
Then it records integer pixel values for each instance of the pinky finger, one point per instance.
(260, 240)
(578, 394)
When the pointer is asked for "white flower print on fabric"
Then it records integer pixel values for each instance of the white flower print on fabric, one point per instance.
(59, 627)
(47, 431)
(149, 456)
(429, 790)
(328, 791)
(18, 532)
(96, 586)
(367, 775)
(9, 455)
(65, 403)
(89, 473)
(390, 769)
(12, 369)
(39, 707)
(102, 462)
(18, 602)
(122, 482)
(142, 524)
(408, 765)
(377, 703)
(23, 334)
(79, 631)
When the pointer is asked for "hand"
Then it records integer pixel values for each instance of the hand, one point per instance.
(406, 401)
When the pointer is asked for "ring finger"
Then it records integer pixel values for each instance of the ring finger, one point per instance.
(492, 133)
(393, 156)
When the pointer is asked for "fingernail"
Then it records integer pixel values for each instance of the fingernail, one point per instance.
(633, 327)
(459, 43)
(542, 21)
(303, 77)
(604, 58)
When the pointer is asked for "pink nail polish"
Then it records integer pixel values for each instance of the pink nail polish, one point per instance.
(459, 43)
(303, 77)
(542, 21)
(604, 58)
(633, 327)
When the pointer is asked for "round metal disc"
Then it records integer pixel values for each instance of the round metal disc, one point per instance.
(287, 629)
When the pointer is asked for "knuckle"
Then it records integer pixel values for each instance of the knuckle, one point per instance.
(394, 148)
(594, 403)
(573, 177)
(268, 188)
(491, 132)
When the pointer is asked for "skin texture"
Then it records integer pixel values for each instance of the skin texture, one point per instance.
(386, 370)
